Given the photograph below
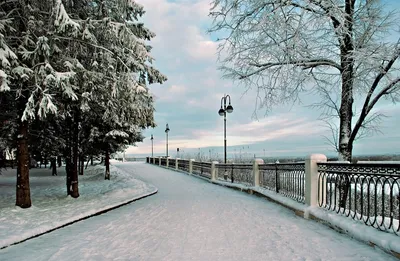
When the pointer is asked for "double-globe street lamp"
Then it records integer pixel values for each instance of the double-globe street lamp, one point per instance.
(222, 112)
(166, 132)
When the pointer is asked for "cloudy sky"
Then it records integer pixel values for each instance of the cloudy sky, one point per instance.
(189, 101)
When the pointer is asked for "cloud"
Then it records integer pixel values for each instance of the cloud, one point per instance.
(190, 99)
(176, 25)
(274, 128)
(171, 93)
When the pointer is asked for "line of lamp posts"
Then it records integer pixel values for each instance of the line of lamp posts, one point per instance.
(222, 112)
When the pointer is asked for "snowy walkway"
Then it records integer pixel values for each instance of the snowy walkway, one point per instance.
(191, 219)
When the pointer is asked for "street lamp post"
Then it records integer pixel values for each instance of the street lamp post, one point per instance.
(222, 112)
(152, 145)
(166, 132)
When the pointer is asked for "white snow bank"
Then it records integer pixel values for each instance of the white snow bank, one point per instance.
(358, 230)
(52, 208)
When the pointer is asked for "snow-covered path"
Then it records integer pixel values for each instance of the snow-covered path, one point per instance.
(191, 219)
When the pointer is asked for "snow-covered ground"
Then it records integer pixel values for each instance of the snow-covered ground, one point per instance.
(51, 207)
(191, 219)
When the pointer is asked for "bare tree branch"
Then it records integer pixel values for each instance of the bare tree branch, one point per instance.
(368, 104)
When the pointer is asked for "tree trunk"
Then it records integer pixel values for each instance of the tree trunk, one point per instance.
(23, 193)
(68, 157)
(82, 164)
(74, 172)
(79, 164)
(91, 160)
(107, 164)
(345, 146)
(346, 106)
(59, 162)
(53, 165)
(68, 169)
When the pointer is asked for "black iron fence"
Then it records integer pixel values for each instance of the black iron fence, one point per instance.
(183, 165)
(287, 179)
(163, 162)
(133, 159)
(365, 192)
(236, 173)
(171, 163)
(202, 169)
(157, 162)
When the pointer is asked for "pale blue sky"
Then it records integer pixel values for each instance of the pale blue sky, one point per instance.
(189, 101)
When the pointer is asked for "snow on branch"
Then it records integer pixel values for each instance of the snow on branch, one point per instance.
(306, 64)
(3, 82)
(117, 133)
(63, 21)
(46, 105)
(6, 54)
(29, 112)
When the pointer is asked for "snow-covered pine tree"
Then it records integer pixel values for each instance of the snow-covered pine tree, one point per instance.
(114, 74)
(30, 69)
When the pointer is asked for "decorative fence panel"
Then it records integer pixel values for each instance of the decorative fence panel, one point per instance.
(164, 162)
(171, 163)
(183, 165)
(366, 192)
(202, 169)
(157, 162)
(287, 179)
(236, 173)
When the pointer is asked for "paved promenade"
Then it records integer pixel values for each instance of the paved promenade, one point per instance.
(191, 219)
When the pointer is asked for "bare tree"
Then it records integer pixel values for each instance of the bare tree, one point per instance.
(336, 48)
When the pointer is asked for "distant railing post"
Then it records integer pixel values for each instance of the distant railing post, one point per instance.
(311, 176)
(191, 166)
(256, 172)
(176, 163)
(167, 164)
(154, 160)
(214, 170)
(159, 161)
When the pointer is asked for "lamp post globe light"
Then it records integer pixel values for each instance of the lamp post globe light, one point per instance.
(222, 112)
(152, 145)
(166, 132)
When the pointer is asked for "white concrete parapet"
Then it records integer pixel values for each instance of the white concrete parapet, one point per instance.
(256, 172)
(311, 176)
(191, 166)
(214, 170)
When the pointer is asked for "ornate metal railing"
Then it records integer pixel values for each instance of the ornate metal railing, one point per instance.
(171, 163)
(236, 173)
(164, 162)
(183, 165)
(157, 162)
(366, 192)
(202, 169)
(287, 179)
